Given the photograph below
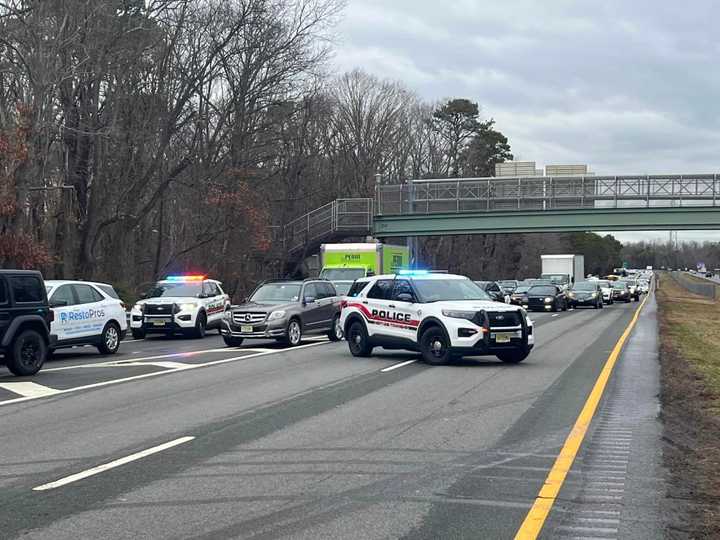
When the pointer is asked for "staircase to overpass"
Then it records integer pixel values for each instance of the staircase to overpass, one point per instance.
(522, 204)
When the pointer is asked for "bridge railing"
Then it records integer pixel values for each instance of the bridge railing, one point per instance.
(547, 193)
(341, 217)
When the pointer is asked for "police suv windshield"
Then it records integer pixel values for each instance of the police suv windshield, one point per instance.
(183, 289)
(438, 290)
(276, 293)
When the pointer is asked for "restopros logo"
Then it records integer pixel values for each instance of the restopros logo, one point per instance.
(72, 316)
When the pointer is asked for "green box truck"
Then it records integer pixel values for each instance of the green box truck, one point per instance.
(344, 263)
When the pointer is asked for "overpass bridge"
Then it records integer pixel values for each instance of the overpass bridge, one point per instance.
(506, 205)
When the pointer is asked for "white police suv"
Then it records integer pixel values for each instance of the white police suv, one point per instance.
(180, 304)
(439, 315)
(86, 313)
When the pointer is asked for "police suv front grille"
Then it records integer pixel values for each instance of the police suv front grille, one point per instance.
(503, 318)
(158, 309)
(244, 317)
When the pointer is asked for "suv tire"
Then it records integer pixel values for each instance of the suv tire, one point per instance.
(27, 354)
(336, 332)
(200, 326)
(137, 333)
(232, 341)
(293, 334)
(435, 346)
(109, 339)
(513, 357)
(358, 340)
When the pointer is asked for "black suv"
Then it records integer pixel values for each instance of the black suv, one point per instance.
(285, 310)
(25, 319)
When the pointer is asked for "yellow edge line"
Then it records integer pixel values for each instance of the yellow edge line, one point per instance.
(535, 519)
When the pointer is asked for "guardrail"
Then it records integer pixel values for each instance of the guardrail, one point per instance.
(708, 290)
(341, 217)
(547, 193)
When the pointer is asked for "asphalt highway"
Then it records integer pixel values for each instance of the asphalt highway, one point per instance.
(175, 438)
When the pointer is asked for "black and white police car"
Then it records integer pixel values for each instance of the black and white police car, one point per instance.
(442, 316)
(185, 304)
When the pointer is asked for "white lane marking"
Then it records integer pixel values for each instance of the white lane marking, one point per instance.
(156, 373)
(29, 389)
(120, 363)
(396, 366)
(112, 464)
(556, 315)
(166, 365)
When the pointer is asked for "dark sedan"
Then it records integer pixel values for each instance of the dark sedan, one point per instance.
(586, 293)
(547, 298)
(621, 291)
(519, 296)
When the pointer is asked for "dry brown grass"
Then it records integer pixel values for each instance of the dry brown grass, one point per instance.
(690, 356)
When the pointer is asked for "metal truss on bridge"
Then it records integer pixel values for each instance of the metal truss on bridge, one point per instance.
(547, 193)
(526, 204)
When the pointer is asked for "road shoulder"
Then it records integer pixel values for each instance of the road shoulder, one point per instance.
(617, 484)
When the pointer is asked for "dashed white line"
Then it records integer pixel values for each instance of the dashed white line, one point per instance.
(397, 366)
(112, 464)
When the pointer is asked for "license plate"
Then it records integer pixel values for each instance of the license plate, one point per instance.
(246, 329)
(159, 323)
(503, 337)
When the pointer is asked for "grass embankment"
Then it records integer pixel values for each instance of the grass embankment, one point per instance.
(690, 356)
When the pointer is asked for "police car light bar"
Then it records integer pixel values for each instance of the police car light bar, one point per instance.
(411, 272)
(184, 278)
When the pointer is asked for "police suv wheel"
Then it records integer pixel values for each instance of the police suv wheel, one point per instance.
(28, 354)
(435, 346)
(514, 356)
(336, 331)
(358, 341)
(200, 326)
(109, 339)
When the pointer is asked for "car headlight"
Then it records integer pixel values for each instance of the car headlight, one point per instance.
(593, 295)
(276, 315)
(188, 307)
(139, 307)
(458, 314)
(572, 295)
(548, 300)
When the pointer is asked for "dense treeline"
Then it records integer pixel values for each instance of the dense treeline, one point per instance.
(670, 255)
(139, 138)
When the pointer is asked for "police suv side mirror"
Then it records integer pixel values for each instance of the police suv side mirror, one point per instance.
(405, 297)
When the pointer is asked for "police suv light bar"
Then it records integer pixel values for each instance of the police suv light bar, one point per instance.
(413, 272)
(184, 278)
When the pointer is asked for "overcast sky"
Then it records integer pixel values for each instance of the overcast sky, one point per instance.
(626, 87)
